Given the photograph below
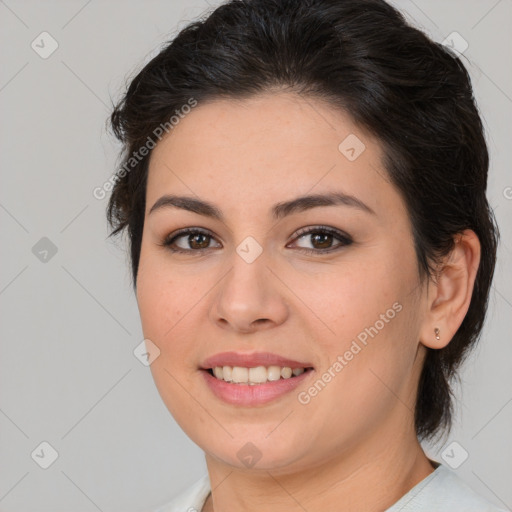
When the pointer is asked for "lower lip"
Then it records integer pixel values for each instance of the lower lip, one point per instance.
(257, 394)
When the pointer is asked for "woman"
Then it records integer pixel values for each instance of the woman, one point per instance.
(312, 250)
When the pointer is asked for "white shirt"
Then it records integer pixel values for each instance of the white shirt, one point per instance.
(441, 491)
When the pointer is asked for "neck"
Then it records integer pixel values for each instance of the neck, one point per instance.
(371, 478)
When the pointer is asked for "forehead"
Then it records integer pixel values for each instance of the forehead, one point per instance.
(266, 146)
(285, 119)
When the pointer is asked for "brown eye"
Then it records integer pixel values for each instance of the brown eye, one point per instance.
(322, 238)
(188, 241)
(198, 241)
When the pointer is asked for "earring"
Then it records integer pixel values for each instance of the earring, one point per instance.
(436, 331)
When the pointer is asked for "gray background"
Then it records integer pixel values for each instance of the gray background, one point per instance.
(70, 324)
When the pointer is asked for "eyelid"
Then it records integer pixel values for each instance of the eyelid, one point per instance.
(313, 229)
(343, 237)
(169, 239)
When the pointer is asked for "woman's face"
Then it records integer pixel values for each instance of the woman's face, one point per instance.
(267, 278)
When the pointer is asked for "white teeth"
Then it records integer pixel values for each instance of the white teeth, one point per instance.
(240, 374)
(256, 375)
(286, 372)
(274, 372)
(226, 373)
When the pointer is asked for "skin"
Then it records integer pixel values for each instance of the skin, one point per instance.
(358, 432)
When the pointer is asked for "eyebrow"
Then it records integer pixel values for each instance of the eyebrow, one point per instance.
(279, 210)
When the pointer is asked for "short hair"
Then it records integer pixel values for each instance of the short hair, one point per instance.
(413, 94)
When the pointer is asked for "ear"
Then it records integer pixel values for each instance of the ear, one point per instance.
(448, 298)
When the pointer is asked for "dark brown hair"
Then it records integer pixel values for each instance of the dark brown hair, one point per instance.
(413, 94)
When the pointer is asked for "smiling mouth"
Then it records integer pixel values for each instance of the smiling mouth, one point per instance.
(255, 375)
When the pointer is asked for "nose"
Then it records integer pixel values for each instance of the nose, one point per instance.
(250, 297)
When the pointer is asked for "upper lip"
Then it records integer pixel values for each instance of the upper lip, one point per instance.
(251, 360)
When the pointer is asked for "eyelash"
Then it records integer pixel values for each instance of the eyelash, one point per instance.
(344, 238)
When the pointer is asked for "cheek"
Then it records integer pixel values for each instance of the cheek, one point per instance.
(173, 306)
(166, 306)
(160, 307)
(370, 318)
(163, 305)
(162, 295)
(351, 296)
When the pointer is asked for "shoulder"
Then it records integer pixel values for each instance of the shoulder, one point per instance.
(443, 491)
(191, 499)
